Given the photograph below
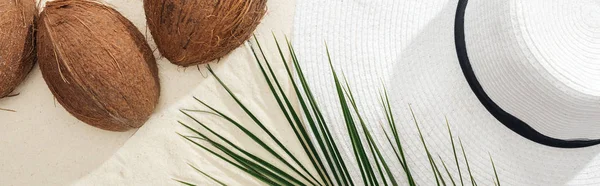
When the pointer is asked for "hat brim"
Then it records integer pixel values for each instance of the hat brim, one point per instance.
(411, 46)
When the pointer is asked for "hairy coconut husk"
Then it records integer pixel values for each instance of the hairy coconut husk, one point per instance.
(195, 32)
(17, 45)
(97, 64)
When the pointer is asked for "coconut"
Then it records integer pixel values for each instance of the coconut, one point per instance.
(17, 50)
(195, 32)
(97, 64)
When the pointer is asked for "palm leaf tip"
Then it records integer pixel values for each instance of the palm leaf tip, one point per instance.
(183, 182)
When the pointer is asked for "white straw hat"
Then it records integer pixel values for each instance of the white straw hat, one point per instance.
(518, 80)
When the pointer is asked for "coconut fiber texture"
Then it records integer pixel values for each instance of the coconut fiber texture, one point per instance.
(97, 64)
(199, 31)
(17, 45)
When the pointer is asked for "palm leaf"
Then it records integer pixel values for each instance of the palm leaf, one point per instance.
(208, 176)
(184, 183)
(473, 182)
(313, 132)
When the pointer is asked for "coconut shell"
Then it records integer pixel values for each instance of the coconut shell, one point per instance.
(195, 32)
(97, 64)
(17, 50)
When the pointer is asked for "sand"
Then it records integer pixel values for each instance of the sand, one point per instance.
(41, 144)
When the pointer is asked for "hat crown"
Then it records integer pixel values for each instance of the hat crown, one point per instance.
(540, 62)
(564, 38)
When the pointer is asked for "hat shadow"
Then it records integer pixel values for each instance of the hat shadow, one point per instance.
(427, 75)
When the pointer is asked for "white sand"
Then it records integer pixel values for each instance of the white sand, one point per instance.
(41, 144)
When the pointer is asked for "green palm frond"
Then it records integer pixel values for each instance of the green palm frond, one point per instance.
(327, 164)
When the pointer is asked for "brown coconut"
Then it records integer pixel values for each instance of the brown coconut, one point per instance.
(195, 32)
(17, 50)
(97, 64)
